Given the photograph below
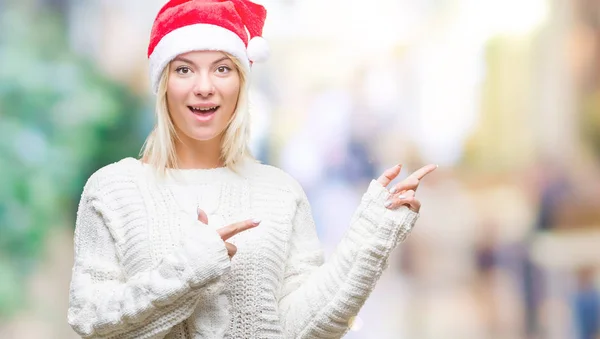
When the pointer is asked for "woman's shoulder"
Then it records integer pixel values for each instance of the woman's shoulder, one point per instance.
(120, 173)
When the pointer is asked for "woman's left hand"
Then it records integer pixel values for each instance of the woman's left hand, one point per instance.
(403, 193)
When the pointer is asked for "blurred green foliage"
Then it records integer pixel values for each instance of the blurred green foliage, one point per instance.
(60, 119)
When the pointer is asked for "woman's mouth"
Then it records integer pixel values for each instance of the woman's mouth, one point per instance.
(203, 113)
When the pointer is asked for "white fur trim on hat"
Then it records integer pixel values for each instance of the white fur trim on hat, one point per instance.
(185, 39)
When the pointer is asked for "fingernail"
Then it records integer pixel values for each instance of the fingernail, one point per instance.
(393, 190)
(256, 221)
(401, 197)
(387, 204)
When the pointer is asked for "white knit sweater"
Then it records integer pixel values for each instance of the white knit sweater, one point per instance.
(146, 268)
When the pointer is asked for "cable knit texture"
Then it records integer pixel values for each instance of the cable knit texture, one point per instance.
(146, 268)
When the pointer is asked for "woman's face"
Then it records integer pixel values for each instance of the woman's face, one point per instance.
(202, 93)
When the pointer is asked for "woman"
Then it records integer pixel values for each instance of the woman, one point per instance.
(196, 239)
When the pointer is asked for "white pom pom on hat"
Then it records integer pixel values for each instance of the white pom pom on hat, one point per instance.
(258, 49)
(231, 26)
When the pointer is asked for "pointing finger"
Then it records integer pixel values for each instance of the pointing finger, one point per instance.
(412, 181)
(233, 229)
(423, 171)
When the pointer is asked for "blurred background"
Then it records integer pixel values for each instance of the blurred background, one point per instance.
(503, 94)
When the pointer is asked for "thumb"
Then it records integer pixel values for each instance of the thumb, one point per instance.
(389, 175)
(202, 217)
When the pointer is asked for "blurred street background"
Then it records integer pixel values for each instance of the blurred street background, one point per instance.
(503, 94)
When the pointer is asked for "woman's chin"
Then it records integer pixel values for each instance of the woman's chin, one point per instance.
(205, 136)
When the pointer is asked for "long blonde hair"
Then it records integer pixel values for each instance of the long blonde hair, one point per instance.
(159, 148)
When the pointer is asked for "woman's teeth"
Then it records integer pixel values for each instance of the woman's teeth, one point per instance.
(203, 109)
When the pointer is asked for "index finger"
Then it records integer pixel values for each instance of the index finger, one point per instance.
(423, 171)
(233, 229)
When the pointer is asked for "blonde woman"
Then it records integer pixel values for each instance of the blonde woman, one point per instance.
(198, 240)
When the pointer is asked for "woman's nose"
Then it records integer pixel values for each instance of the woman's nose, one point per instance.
(204, 86)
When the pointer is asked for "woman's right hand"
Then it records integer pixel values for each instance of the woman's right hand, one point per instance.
(229, 231)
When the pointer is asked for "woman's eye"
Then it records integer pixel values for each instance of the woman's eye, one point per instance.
(183, 70)
(223, 69)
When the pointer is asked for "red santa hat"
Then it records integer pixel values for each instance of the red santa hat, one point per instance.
(232, 26)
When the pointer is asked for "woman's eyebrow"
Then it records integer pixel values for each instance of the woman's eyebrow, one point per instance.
(180, 58)
(222, 59)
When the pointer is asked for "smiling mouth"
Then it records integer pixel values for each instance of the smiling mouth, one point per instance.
(203, 110)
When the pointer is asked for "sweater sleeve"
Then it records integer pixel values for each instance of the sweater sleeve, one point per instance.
(320, 300)
(104, 303)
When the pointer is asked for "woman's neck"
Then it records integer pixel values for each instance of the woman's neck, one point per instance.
(194, 154)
